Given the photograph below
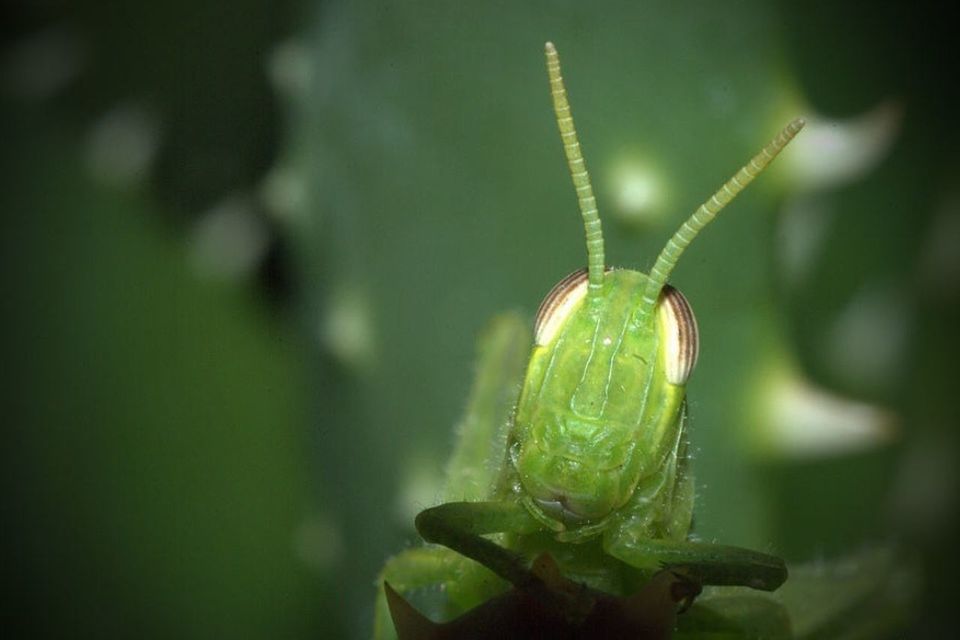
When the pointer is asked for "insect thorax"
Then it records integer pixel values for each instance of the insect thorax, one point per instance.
(597, 414)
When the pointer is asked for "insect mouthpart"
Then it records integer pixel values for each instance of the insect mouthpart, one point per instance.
(569, 491)
(560, 510)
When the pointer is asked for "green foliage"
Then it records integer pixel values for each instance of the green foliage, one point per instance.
(161, 473)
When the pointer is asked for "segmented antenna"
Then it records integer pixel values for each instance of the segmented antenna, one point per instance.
(668, 258)
(578, 171)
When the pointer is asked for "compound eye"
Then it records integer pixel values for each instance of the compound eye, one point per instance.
(556, 307)
(679, 335)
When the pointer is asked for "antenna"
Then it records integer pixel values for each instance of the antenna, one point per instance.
(578, 172)
(675, 246)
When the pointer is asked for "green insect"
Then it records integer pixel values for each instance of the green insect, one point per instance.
(589, 464)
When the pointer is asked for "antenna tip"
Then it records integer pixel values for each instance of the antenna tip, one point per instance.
(549, 48)
(797, 124)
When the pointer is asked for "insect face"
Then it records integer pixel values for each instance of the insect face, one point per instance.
(601, 409)
(601, 403)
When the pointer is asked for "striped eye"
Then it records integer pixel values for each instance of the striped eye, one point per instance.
(681, 340)
(558, 304)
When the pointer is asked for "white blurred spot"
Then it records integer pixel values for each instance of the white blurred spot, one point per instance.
(346, 328)
(803, 227)
(41, 65)
(318, 542)
(868, 342)
(121, 145)
(289, 68)
(284, 193)
(806, 421)
(638, 192)
(228, 241)
(832, 152)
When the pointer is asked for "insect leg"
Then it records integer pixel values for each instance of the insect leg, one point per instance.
(473, 469)
(711, 564)
(462, 525)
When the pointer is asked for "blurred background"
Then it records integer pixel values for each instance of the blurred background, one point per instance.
(247, 250)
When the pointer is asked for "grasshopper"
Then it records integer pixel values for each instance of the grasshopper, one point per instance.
(587, 468)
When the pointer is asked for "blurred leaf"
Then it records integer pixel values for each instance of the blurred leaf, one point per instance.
(154, 421)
